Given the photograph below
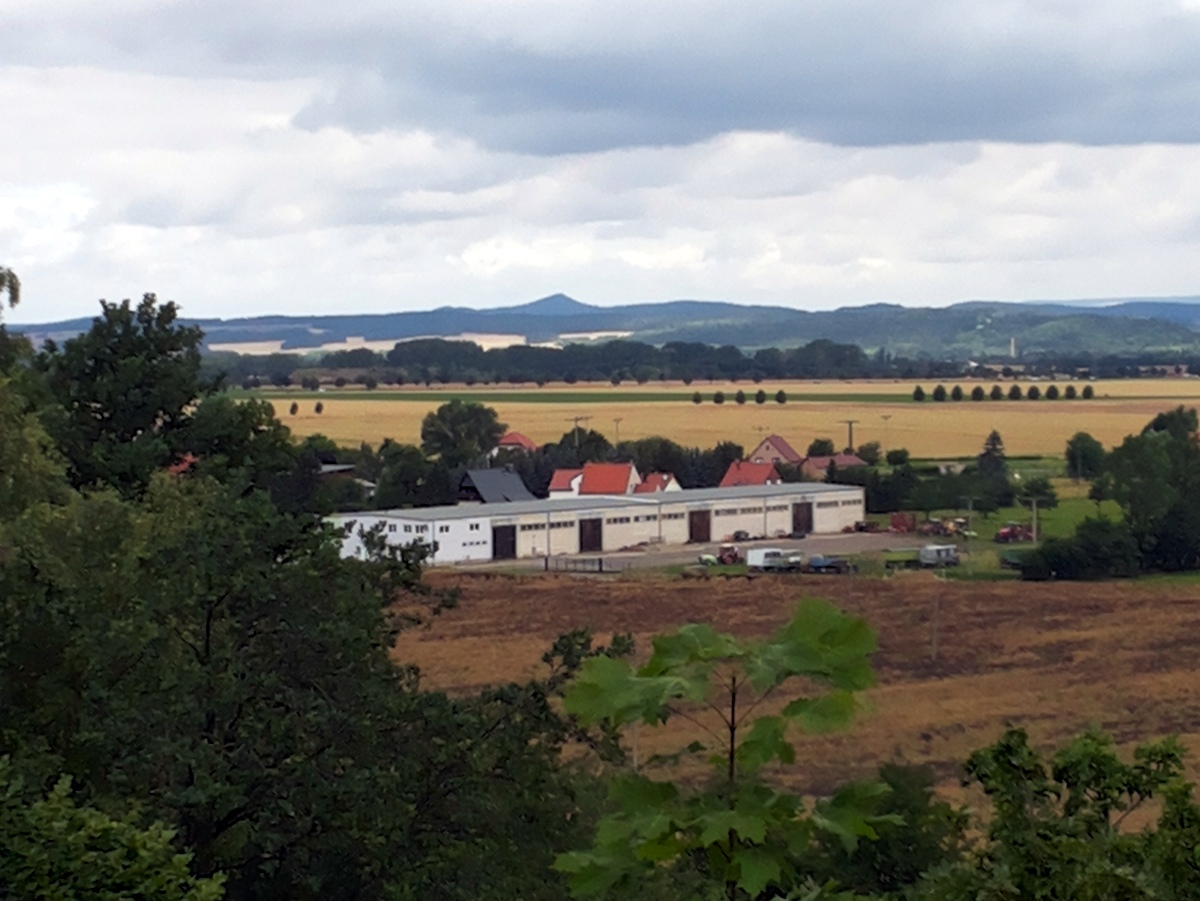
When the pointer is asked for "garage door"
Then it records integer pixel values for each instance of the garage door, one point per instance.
(700, 525)
(504, 542)
(802, 518)
(591, 536)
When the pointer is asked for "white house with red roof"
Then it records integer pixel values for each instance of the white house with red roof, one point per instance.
(746, 472)
(658, 481)
(774, 449)
(514, 441)
(594, 479)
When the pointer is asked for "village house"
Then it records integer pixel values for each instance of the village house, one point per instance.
(743, 472)
(774, 449)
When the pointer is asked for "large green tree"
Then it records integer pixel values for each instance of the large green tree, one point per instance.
(123, 391)
(461, 432)
(1085, 456)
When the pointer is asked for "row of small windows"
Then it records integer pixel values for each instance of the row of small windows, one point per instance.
(730, 512)
(617, 520)
(851, 503)
(421, 530)
(823, 504)
(541, 526)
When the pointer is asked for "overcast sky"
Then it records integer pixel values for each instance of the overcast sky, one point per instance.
(263, 156)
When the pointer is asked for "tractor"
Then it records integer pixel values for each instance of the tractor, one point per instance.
(1012, 532)
(727, 555)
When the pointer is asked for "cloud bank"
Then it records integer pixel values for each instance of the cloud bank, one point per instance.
(273, 157)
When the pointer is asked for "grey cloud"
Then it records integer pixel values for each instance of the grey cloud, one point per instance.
(865, 73)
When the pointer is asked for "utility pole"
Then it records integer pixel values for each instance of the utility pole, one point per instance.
(575, 420)
(850, 425)
(885, 417)
(617, 427)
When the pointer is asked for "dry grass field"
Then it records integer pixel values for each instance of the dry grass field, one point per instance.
(926, 429)
(1055, 659)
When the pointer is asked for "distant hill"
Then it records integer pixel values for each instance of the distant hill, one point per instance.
(961, 331)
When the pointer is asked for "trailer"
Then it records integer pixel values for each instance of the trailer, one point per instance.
(931, 556)
(773, 559)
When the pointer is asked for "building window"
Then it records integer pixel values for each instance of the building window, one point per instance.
(473, 527)
(824, 504)
(391, 528)
(443, 529)
(408, 528)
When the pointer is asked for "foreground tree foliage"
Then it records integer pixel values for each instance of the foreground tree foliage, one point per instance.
(50, 847)
(190, 648)
(1056, 829)
(742, 834)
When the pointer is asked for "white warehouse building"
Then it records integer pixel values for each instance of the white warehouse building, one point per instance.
(606, 523)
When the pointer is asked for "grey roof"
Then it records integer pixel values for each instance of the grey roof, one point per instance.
(602, 503)
(497, 486)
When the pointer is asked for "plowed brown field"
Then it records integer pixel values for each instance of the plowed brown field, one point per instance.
(1053, 658)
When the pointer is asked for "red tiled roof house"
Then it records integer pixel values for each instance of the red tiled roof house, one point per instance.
(774, 449)
(744, 472)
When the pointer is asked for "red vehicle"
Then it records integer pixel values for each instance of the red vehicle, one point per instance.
(1012, 532)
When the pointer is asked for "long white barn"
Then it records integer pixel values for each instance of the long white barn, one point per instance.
(600, 524)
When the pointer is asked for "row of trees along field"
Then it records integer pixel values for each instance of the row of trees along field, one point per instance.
(1013, 392)
(434, 360)
(198, 701)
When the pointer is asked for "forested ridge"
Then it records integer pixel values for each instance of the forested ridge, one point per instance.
(198, 700)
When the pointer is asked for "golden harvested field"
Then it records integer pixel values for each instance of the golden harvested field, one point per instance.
(927, 429)
(1055, 659)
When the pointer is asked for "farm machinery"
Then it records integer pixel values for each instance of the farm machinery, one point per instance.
(1013, 532)
(726, 555)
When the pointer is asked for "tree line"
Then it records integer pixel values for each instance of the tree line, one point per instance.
(1014, 392)
(434, 360)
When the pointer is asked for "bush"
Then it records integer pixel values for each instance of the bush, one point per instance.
(1033, 393)
(719, 397)
(319, 408)
(977, 393)
(1088, 392)
(1070, 393)
(740, 397)
(760, 397)
(869, 453)
(1014, 393)
(997, 393)
(371, 383)
(780, 396)
(1052, 392)
(897, 456)
(956, 393)
(939, 394)
(697, 398)
(918, 394)
(294, 408)
(821, 447)
(1099, 549)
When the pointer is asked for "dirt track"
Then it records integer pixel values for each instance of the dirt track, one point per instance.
(1053, 658)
